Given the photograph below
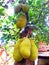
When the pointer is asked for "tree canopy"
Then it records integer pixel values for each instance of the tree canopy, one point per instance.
(38, 15)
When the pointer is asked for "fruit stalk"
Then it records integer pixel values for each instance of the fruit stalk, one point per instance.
(27, 16)
(26, 32)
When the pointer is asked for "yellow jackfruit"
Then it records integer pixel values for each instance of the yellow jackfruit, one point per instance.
(22, 21)
(25, 47)
(34, 51)
(16, 53)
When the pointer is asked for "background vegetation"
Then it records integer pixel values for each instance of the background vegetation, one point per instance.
(38, 15)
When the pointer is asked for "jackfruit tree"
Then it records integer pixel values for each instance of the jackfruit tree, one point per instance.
(37, 15)
(24, 18)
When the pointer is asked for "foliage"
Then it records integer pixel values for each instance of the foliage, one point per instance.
(37, 14)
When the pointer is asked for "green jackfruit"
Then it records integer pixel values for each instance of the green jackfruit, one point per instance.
(22, 21)
(16, 53)
(25, 47)
(34, 51)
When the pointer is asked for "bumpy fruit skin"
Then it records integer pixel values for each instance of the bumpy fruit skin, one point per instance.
(34, 51)
(25, 47)
(21, 21)
(18, 8)
(25, 7)
(16, 53)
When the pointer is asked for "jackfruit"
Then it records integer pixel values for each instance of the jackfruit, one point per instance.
(17, 8)
(25, 47)
(25, 8)
(16, 53)
(21, 22)
(34, 51)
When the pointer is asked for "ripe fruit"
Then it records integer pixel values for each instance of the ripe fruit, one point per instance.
(25, 47)
(34, 51)
(21, 21)
(25, 7)
(16, 53)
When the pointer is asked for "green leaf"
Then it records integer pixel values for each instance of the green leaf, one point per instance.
(1, 10)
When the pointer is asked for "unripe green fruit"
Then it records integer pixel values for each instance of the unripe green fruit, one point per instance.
(25, 47)
(22, 21)
(16, 53)
(34, 51)
(25, 7)
(18, 8)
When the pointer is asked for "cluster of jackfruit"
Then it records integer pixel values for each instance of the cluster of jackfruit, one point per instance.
(25, 48)
(22, 20)
(21, 7)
